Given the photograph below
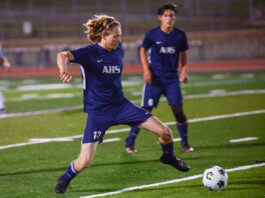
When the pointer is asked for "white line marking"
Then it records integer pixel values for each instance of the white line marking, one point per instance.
(247, 75)
(176, 139)
(45, 97)
(53, 86)
(220, 76)
(42, 111)
(167, 123)
(244, 139)
(209, 95)
(223, 94)
(45, 140)
(209, 83)
(44, 87)
(202, 119)
(170, 181)
(111, 140)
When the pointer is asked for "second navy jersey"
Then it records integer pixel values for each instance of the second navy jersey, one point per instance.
(165, 49)
(101, 72)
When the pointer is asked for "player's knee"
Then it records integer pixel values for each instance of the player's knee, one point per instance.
(181, 118)
(82, 164)
(179, 114)
(166, 134)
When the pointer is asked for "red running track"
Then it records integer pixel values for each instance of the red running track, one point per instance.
(222, 66)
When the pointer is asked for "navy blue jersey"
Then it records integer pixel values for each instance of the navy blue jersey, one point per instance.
(101, 72)
(165, 49)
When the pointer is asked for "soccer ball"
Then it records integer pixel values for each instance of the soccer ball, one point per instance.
(215, 178)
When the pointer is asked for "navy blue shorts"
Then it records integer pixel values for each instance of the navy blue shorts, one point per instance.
(153, 91)
(98, 121)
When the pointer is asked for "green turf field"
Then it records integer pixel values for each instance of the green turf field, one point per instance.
(32, 170)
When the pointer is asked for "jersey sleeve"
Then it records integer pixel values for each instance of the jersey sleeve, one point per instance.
(147, 41)
(81, 55)
(184, 43)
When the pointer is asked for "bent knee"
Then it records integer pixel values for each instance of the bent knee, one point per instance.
(166, 134)
(81, 165)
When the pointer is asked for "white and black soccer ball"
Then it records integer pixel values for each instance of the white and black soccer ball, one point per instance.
(215, 178)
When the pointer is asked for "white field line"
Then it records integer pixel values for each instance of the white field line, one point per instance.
(170, 181)
(32, 141)
(45, 97)
(54, 86)
(176, 139)
(41, 112)
(209, 95)
(45, 140)
(244, 139)
(202, 119)
(209, 83)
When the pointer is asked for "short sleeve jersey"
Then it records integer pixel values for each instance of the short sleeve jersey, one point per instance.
(101, 71)
(165, 49)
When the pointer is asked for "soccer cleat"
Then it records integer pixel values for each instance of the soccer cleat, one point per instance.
(186, 147)
(61, 185)
(129, 147)
(177, 163)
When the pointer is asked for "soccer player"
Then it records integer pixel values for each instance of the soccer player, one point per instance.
(167, 44)
(101, 66)
(6, 64)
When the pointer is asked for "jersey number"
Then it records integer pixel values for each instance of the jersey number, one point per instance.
(97, 134)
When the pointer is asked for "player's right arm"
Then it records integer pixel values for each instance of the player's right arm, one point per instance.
(5, 63)
(62, 59)
(145, 64)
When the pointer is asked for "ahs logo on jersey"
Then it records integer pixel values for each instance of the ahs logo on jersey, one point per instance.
(111, 69)
(167, 50)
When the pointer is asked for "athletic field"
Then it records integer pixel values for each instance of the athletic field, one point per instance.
(42, 131)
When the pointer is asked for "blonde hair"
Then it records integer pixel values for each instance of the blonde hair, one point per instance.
(100, 24)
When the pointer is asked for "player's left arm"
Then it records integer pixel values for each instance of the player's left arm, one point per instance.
(184, 64)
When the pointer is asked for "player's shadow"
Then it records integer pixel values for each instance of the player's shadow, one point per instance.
(138, 190)
(192, 186)
(34, 171)
(230, 146)
(237, 185)
(62, 169)
(256, 182)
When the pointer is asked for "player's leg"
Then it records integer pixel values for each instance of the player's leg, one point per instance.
(2, 106)
(165, 138)
(150, 98)
(76, 166)
(130, 140)
(175, 100)
(129, 114)
(182, 126)
(97, 124)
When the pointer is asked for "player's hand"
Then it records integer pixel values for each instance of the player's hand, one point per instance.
(65, 76)
(148, 76)
(184, 77)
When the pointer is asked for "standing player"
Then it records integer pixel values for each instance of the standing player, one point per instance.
(6, 64)
(167, 43)
(104, 102)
